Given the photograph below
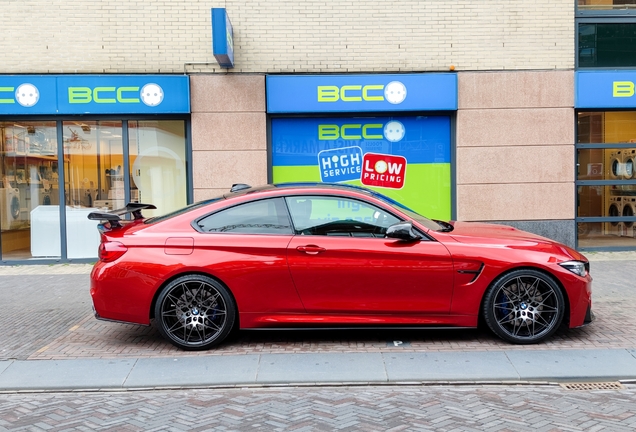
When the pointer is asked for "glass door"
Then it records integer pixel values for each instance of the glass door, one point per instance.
(94, 179)
(158, 164)
(29, 193)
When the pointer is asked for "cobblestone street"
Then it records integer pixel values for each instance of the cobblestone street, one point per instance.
(47, 316)
(390, 408)
(55, 308)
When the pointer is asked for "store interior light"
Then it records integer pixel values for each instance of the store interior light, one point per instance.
(86, 128)
(31, 130)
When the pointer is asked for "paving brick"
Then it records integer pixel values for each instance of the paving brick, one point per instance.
(48, 316)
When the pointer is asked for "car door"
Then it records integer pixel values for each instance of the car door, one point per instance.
(340, 261)
(245, 246)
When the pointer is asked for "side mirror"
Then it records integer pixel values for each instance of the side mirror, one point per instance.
(402, 231)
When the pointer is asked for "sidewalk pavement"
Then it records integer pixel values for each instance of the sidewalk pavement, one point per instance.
(509, 365)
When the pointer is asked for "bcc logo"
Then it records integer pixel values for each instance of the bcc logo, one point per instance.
(151, 95)
(26, 95)
(394, 93)
(393, 131)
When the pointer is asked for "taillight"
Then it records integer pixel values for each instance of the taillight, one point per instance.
(110, 251)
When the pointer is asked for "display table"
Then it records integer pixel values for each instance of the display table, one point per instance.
(82, 236)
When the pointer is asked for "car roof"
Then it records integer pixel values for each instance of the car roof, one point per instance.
(309, 186)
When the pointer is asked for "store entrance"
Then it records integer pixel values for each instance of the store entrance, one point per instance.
(106, 163)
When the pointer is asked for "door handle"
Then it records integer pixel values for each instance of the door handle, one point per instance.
(311, 249)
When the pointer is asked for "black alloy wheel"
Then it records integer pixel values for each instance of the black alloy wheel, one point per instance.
(195, 312)
(524, 306)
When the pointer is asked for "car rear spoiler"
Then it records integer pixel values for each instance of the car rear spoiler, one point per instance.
(114, 217)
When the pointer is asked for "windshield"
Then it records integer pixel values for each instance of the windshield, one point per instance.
(428, 223)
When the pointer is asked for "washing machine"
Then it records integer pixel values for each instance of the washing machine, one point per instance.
(629, 210)
(616, 165)
(629, 159)
(614, 209)
(9, 207)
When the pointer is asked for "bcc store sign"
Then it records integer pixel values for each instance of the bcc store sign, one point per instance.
(94, 94)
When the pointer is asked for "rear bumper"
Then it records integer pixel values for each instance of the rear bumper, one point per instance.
(116, 321)
(121, 295)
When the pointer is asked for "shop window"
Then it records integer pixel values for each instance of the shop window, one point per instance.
(94, 177)
(601, 5)
(607, 45)
(407, 158)
(606, 179)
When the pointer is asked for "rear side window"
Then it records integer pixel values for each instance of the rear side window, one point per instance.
(258, 217)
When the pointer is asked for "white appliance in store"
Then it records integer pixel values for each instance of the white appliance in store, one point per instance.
(82, 236)
(629, 159)
(10, 207)
(629, 210)
(614, 209)
(616, 165)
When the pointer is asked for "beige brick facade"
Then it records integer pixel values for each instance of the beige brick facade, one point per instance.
(290, 36)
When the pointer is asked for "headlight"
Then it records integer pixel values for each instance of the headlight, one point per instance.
(576, 267)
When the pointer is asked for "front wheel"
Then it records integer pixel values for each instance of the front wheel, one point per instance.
(195, 312)
(524, 306)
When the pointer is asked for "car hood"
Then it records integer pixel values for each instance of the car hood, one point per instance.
(507, 236)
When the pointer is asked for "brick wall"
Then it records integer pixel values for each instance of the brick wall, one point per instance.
(169, 36)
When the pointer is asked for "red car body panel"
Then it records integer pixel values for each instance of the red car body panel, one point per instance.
(348, 281)
(332, 280)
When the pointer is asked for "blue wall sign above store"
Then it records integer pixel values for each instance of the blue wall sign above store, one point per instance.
(605, 89)
(94, 94)
(361, 93)
(222, 38)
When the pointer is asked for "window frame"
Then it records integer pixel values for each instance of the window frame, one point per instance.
(64, 176)
(602, 19)
(577, 182)
(602, 12)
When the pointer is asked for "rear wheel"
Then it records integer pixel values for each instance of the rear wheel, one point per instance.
(195, 312)
(524, 306)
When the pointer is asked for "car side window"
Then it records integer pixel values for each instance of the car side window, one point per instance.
(338, 216)
(267, 216)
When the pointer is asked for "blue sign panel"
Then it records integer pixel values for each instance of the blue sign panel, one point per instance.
(27, 94)
(605, 89)
(361, 93)
(122, 94)
(94, 94)
(421, 139)
(222, 38)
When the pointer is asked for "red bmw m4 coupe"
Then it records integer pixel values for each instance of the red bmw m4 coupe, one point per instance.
(329, 256)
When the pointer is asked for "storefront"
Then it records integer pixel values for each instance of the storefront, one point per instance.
(606, 153)
(90, 142)
(392, 133)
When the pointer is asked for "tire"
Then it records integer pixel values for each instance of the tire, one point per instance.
(524, 306)
(195, 312)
